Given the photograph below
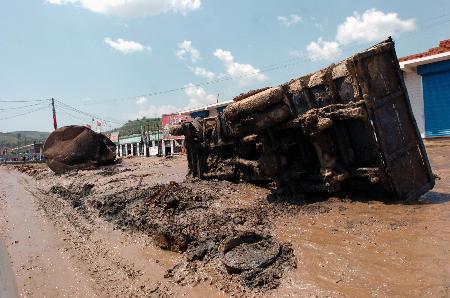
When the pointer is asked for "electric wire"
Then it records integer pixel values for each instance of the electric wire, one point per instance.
(298, 60)
(430, 23)
(21, 107)
(78, 119)
(19, 101)
(344, 49)
(87, 113)
(25, 113)
(92, 116)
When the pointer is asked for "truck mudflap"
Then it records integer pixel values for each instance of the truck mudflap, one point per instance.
(348, 127)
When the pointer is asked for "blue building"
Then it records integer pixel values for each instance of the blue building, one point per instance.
(206, 111)
(427, 79)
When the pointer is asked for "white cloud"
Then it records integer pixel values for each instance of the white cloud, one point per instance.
(197, 96)
(124, 46)
(155, 111)
(290, 20)
(323, 50)
(372, 25)
(224, 56)
(246, 73)
(141, 100)
(203, 73)
(185, 48)
(134, 8)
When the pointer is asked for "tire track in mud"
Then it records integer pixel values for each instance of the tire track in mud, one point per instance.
(111, 274)
(185, 217)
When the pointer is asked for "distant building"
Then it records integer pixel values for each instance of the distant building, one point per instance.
(146, 144)
(172, 144)
(427, 79)
(206, 111)
(30, 152)
(175, 144)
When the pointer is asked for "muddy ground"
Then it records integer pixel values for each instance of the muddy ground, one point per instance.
(140, 228)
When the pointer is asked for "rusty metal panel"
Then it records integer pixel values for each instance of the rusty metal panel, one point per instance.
(390, 112)
(344, 128)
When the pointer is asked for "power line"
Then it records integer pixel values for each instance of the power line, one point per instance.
(201, 84)
(26, 113)
(19, 101)
(22, 107)
(66, 106)
(227, 78)
(78, 119)
(432, 22)
(64, 110)
(274, 67)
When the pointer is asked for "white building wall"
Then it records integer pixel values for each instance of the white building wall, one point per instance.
(212, 112)
(413, 83)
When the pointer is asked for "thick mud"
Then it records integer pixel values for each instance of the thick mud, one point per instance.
(190, 217)
(339, 246)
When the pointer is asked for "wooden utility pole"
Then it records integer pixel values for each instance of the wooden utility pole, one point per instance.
(55, 124)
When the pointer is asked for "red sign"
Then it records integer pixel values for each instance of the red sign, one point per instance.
(114, 137)
(172, 119)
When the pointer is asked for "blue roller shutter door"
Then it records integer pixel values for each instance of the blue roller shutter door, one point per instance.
(436, 93)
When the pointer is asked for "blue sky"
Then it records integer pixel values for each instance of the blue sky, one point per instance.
(105, 57)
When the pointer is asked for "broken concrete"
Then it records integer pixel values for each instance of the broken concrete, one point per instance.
(77, 147)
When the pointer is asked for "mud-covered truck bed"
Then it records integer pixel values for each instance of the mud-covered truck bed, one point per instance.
(348, 127)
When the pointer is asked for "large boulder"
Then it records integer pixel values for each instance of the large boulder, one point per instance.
(77, 147)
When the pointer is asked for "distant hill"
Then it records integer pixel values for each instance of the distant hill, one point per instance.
(20, 138)
(134, 126)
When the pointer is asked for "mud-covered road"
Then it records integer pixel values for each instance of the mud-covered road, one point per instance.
(125, 230)
(56, 252)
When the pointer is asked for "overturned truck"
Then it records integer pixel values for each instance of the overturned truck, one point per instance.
(348, 127)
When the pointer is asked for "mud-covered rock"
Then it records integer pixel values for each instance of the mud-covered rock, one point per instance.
(77, 147)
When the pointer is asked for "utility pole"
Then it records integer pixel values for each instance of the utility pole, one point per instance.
(55, 124)
(159, 141)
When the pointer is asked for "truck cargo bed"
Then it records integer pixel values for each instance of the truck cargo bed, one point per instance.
(348, 127)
